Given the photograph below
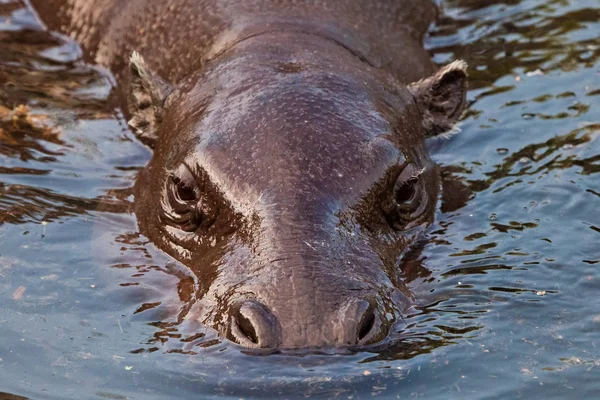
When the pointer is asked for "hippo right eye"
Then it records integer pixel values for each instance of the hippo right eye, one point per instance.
(184, 204)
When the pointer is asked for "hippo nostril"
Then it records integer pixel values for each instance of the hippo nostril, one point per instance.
(363, 323)
(245, 329)
(252, 325)
(366, 324)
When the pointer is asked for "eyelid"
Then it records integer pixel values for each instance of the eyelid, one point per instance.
(182, 168)
(417, 174)
(414, 171)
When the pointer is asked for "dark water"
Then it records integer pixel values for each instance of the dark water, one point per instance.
(509, 283)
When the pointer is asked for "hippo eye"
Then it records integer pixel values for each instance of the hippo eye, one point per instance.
(405, 203)
(404, 191)
(184, 189)
(184, 204)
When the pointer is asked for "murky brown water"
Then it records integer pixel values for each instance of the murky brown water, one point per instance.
(509, 283)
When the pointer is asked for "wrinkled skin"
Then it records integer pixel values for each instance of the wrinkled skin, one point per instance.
(289, 170)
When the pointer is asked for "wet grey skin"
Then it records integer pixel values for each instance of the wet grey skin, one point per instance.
(289, 167)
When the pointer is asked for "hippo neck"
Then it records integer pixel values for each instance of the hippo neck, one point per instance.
(404, 57)
(247, 29)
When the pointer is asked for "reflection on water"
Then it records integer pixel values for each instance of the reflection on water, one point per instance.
(507, 279)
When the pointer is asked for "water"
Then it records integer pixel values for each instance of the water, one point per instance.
(508, 283)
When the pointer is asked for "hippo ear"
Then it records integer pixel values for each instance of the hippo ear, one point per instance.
(147, 96)
(442, 97)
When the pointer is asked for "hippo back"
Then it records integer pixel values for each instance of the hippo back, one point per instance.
(178, 37)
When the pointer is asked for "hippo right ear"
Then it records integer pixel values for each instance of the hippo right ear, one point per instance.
(442, 97)
(147, 96)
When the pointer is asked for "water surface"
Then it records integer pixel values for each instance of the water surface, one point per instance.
(508, 279)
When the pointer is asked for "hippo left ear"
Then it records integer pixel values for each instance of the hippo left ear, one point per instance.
(442, 97)
(147, 96)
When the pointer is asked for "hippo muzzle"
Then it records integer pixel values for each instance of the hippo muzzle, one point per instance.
(312, 290)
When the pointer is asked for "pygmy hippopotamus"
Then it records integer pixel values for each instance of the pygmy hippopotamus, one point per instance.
(289, 166)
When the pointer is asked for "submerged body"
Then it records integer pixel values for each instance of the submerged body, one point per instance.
(289, 169)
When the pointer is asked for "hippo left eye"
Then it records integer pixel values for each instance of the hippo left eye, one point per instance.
(184, 204)
(404, 207)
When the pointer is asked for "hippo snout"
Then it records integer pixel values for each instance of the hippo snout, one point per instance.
(253, 325)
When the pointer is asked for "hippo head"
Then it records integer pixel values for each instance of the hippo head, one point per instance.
(292, 181)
